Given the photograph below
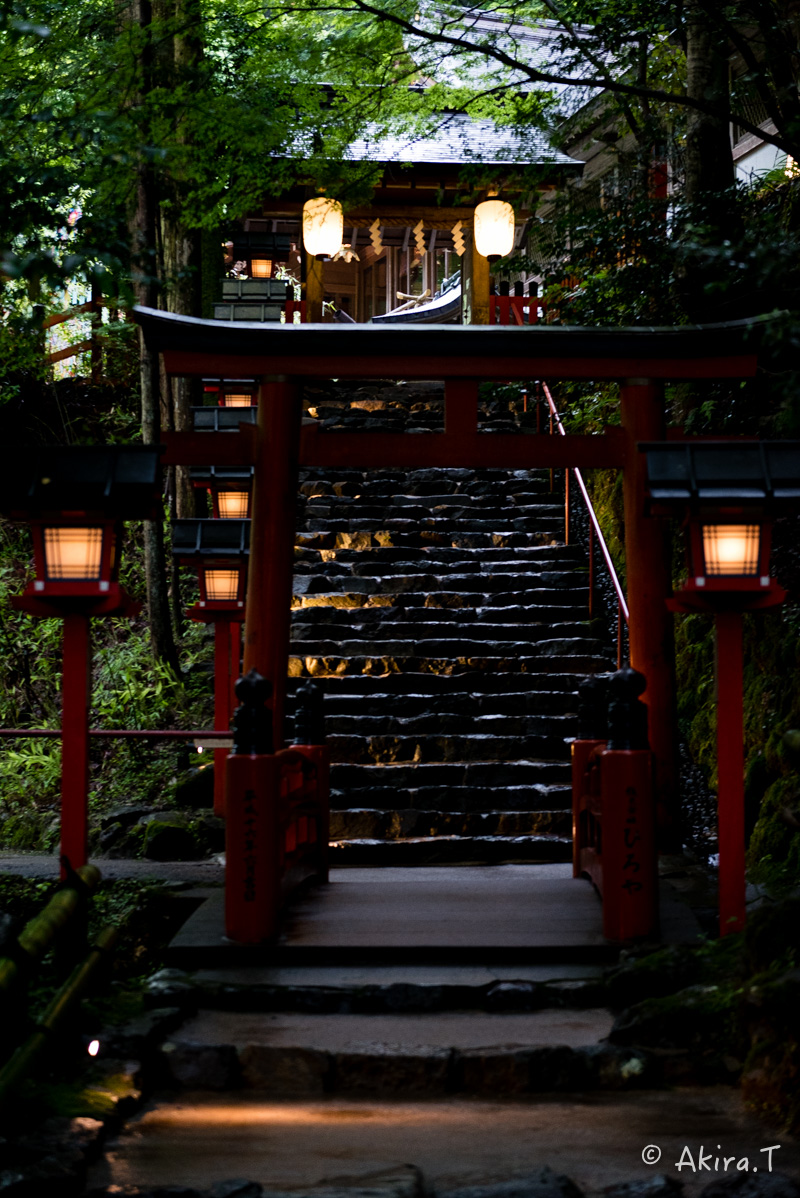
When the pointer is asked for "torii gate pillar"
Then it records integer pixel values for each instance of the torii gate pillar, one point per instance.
(269, 584)
(648, 562)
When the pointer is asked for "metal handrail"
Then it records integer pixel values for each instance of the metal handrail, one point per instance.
(594, 532)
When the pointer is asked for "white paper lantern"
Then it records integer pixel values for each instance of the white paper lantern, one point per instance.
(323, 227)
(494, 229)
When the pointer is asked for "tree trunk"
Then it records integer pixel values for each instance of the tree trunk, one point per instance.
(182, 246)
(709, 158)
(144, 263)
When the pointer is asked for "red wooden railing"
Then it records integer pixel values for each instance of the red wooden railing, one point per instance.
(276, 834)
(515, 309)
(595, 533)
(613, 807)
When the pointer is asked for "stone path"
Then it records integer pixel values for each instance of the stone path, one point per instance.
(596, 1140)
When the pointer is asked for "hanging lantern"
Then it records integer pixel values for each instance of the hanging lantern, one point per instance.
(323, 226)
(494, 229)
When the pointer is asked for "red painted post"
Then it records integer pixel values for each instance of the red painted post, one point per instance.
(320, 756)
(581, 751)
(252, 848)
(76, 693)
(222, 705)
(730, 771)
(649, 583)
(235, 663)
(460, 407)
(269, 588)
(630, 875)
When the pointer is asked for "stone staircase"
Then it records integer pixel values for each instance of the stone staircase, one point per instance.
(448, 624)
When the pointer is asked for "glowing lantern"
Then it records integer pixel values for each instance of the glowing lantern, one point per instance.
(219, 551)
(72, 554)
(233, 504)
(494, 229)
(323, 227)
(238, 399)
(731, 549)
(260, 268)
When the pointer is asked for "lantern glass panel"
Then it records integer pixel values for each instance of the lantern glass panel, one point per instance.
(323, 227)
(731, 549)
(494, 229)
(237, 399)
(73, 553)
(233, 505)
(222, 585)
(261, 268)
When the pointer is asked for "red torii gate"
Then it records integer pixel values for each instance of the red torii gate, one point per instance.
(283, 356)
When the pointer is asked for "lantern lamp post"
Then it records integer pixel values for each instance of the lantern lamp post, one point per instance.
(727, 493)
(494, 229)
(219, 551)
(75, 500)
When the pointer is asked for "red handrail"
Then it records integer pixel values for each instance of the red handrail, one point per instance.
(594, 531)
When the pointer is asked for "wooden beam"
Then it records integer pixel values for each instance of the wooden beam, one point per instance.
(473, 450)
(405, 366)
(205, 449)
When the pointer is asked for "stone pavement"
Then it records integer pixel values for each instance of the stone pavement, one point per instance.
(597, 1140)
(445, 914)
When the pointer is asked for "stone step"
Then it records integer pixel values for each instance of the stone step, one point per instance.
(371, 823)
(481, 683)
(491, 775)
(368, 563)
(430, 721)
(447, 630)
(480, 559)
(450, 798)
(441, 747)
(380, 989)
(436, 1053)
(556, 703)
(445, 600)
(486, 584)
(420, 539)
(496, 499)
(382, 489)
(457, 510)
(501, 621)
(443, 646)
(452, 850)
(311, 666)
(552, 527)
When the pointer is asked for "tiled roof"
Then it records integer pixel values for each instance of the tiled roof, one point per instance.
(460, 139)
